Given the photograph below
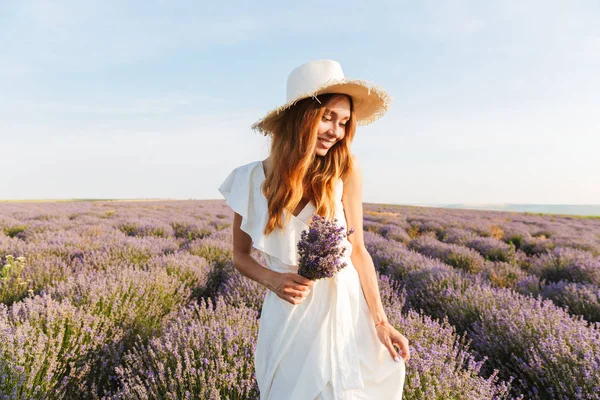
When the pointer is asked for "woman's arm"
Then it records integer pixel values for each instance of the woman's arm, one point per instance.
(243, 260)
(362, 261)
(289, 286)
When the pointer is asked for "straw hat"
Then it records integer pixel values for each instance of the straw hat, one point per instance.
(326, 76)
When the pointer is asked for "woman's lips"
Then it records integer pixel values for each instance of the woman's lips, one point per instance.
(325, 143)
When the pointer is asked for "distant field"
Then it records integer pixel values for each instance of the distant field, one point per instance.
(140, 299)
(557, 209)
(582, 211)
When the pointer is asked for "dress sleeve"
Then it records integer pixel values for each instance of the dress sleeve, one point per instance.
(235, 190)
(242, 192)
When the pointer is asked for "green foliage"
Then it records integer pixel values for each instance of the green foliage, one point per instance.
(213, 254)
(464, 262)
(12, 231)
(128, 228)
(516, 240)
(12, 286)
(185, 231)
(502, 255)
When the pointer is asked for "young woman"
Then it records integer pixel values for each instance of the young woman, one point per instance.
(324, 339)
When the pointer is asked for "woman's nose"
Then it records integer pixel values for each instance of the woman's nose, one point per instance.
(336, 132)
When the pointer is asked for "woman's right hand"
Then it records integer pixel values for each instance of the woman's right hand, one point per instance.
(291, 287)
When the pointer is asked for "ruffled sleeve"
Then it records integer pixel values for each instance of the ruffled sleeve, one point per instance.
(242, 192)
(236, 191)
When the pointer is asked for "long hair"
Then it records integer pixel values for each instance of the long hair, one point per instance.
(296, 171)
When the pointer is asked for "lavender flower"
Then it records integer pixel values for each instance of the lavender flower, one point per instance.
(321, 250)
(113, 283)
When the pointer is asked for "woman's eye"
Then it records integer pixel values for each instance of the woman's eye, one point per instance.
(325, 118)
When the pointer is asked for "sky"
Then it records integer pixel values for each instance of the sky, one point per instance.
(494, 102)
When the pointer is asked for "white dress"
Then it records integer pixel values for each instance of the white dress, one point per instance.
(325, 347)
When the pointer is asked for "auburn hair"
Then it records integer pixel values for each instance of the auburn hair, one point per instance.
(296, 171)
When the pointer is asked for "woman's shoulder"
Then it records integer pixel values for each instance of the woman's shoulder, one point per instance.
(353, 172)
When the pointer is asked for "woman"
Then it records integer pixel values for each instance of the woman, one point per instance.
(324, 339)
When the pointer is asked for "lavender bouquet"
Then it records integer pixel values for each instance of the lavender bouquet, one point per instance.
(320, 249)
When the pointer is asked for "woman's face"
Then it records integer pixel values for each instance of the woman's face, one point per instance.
(332, 126)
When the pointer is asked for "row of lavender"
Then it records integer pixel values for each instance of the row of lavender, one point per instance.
(117, 309)
(141, 301)
(484, 286)
(534, 257)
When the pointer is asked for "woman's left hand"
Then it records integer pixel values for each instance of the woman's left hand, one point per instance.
(389, 336)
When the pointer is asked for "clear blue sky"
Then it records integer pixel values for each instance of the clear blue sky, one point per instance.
(493, 101)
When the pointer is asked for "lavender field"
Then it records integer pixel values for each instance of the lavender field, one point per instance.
(140, 300)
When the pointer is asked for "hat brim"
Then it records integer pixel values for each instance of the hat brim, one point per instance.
(370, 101)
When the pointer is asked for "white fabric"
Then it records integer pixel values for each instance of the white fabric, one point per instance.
(310, 76)
(325, 348)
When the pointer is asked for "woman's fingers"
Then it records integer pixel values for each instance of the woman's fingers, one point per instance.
(391, 350)
(404, 350)
(296, 293)
(295, 299)
(302, 280)
(298, 288)
(303, 290)
(294, 287)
